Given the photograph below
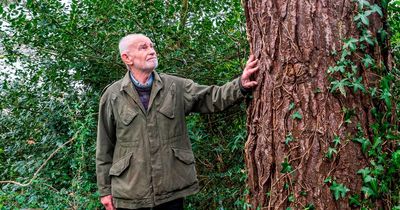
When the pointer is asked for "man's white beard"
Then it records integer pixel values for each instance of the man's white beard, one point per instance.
(155, 63)
(149, 66)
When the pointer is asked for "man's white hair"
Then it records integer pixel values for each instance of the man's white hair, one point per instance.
(126, 40)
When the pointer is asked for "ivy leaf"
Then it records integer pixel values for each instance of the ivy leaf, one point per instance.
(386, 97)
(328, 180)
(288, 138)
(377, 9)
(286, 186)
(338, 190)
(378, 170)
(286, 167)
(291, 106)
(373, 91)
(363, 17)
(309, 206)
(351, 44)
(364, 172)
(386, 81)
(367, 191)
(291, 198)
(339, 68)
(297, 116)
(357, 85)
(349, 75)
(373, 182)
(355, 200)
(340, 85)
(362, 3)
(366, 36)
(365, 143)
(368, 179)
(330, 152)
(345, 53)
(368, 61)
(331, 69)
(336, 140)
(354, 68)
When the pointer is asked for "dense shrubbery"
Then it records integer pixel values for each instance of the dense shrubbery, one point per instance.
(61, 56)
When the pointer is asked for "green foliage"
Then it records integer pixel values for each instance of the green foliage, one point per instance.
(328, 180)
(365, 143)
(370, 188)
(286, 167)
(61, 55)
(336, 140)
(289, 138)
(297, 115)
(291, 106)
(340, 85)
(48, 115)
(354, 200)
(338, 190)
(381, 145)
(218, 143)
(330, 152)
(309, 207)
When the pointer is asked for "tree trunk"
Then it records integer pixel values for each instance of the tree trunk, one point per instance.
(293, 118)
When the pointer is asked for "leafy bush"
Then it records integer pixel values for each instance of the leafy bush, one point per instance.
(60, 56)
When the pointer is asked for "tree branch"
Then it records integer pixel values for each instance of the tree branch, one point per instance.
(41, 167)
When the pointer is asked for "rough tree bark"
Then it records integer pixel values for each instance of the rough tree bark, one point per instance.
(294, 41)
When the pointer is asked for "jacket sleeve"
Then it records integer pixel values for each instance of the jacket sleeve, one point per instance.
(105, 145)
(208, 99)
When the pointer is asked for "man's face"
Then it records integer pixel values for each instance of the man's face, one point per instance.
(140, 55)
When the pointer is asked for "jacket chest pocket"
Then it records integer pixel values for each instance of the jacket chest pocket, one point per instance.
(169, 123)
(127, 116)
(127, 130)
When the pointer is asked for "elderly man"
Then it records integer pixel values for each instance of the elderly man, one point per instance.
(144, 157)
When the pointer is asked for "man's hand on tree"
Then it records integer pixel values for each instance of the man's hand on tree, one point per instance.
(107, 202)
(250, 69)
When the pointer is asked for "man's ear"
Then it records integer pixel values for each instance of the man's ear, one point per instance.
(125, 59)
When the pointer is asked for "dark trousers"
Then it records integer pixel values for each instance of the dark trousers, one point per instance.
(172, 205)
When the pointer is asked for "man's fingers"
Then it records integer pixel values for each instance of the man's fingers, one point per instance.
(250, 84)
(251, 58)
(252, 64)
(107, 202)
(248, 72)
(251, 71)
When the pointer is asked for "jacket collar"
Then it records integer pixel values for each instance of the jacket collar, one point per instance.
(127, 83)
(127, 86)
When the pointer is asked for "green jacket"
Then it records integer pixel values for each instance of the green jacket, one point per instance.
(144, 158)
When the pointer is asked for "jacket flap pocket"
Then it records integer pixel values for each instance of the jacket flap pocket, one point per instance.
(168, 106)
(168, 112)
(184, 155)
(127, 115)
(120, 165)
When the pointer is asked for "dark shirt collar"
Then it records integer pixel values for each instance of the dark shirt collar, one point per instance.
(148, 83)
